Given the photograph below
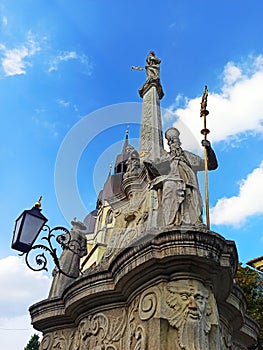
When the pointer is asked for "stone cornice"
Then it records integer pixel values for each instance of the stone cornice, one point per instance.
(167, 255)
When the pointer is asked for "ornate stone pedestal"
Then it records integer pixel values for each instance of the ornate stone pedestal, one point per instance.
(172, 287)
(174, 291)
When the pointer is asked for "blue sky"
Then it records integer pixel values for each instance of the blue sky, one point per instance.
(65, 71)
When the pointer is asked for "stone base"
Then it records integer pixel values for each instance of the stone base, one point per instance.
(173, 292)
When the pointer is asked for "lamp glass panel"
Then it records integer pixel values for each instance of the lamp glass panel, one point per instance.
(32, 226)
(17, 228)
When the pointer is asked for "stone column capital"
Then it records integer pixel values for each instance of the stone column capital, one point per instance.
(149, 84)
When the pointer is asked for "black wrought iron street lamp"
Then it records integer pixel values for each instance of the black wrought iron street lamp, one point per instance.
(28, 227)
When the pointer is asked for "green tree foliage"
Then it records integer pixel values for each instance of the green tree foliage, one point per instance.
(33, 343)
(251, 282)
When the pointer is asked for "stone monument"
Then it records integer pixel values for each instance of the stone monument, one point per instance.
(153, 276)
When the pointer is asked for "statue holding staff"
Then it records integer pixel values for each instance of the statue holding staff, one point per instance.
(181, 202)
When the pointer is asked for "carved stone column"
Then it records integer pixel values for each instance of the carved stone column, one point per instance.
(151, 137)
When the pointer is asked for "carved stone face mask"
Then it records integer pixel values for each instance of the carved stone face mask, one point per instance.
(188, 301)
(190, 297)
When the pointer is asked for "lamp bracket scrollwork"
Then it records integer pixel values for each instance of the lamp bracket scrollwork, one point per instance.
(64, 239)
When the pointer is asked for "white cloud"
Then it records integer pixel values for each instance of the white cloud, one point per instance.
(63, 103)
(15, 332)
(249, 201)
(66, 104)
(231, 73)
(22, 286)
(236, 110)
(13, 61)
(67, 56)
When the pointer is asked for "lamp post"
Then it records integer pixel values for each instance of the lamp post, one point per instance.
(28, 227)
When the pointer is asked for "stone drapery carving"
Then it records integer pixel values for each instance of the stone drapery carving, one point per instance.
(70, 260)
(137, 210)
(152, 66)
(171, 197)
(130, 222)
(181, 198)
(193, 314)
(181, 202)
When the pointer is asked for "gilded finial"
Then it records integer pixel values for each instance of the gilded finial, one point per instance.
(203, 110)
(127, 134)
(38, 203)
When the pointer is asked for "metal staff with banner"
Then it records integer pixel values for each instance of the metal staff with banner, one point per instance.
(204, 113)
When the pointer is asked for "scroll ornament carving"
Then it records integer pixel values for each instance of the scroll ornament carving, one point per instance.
(45, 343)
(100, 332)
(148, 305)
(137, 334)
(131, 316)
(58, 340)
(140, 337)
